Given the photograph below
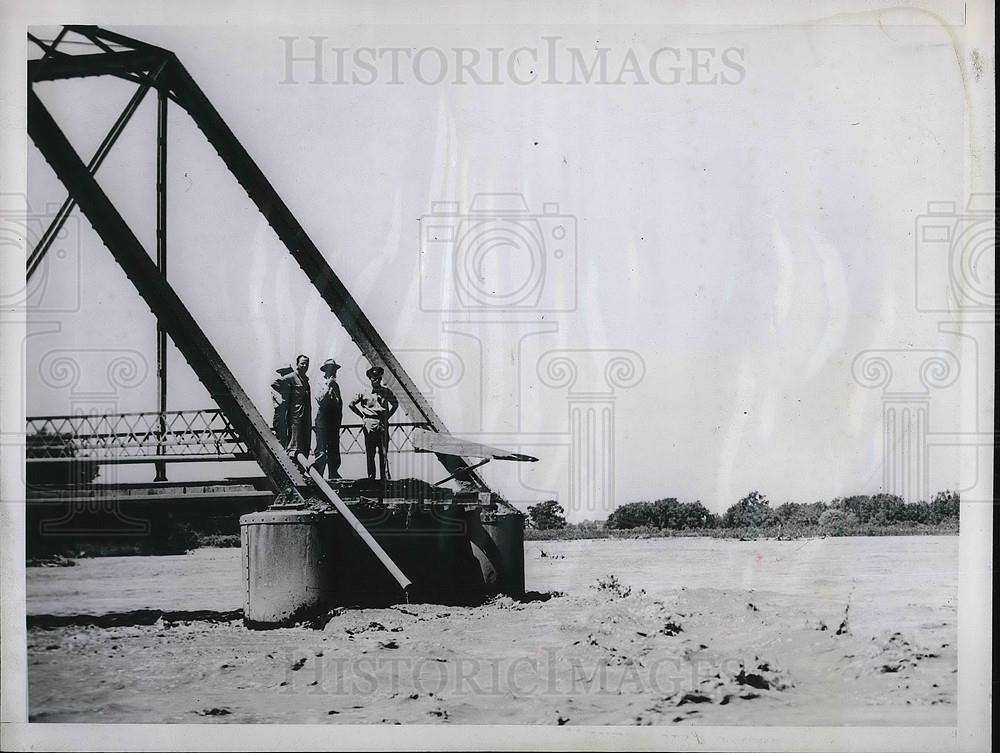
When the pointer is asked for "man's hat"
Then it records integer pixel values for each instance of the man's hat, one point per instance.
(285, 370)
(329, 363)
(375, 371)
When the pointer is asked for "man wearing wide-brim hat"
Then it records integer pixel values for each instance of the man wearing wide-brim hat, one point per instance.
(329, 416)
(375, 407)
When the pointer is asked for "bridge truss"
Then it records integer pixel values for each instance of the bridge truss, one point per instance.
(238, 426)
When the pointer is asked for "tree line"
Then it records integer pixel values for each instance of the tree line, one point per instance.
(755, 511)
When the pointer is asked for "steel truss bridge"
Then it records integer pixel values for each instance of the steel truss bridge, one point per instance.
(189, 435)
(237, 428)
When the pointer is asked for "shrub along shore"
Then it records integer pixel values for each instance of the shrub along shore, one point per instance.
(574, 532)
(752, 517)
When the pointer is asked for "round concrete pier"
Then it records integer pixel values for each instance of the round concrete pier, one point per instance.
(287, 565)
(298, 564)
(501, 552)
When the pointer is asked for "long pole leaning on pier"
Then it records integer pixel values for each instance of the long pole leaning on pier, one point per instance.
(356, 524)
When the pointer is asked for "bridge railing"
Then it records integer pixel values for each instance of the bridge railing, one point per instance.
(187, 435)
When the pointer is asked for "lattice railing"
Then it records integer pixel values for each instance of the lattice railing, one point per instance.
(189, 435)
(120, 437)
(352, 438)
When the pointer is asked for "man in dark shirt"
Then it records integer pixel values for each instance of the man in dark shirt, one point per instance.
(329, 416)
(296, 396)
(279, 403)
(375, 408)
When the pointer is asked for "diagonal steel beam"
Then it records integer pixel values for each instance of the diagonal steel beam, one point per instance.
(49, 236)
(49, 48)
(160, 297)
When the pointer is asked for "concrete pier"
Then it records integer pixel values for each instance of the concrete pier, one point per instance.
(287, 563)
(299, 563)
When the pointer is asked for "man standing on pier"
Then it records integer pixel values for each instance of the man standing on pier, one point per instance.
(296, 395)
(375, 408)
(329, 416)
(279, 403)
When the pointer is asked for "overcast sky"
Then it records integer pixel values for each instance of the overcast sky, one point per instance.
(735, 231)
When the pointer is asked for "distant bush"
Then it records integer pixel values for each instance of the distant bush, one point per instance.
(631, 515)
(588, 526)
(45, 444)
(837, 522)
(663, 514)
(918, 512)
(753, 518)
(945, 505)
(220, 540)
(547, 515)
(797, 514)
(753, 511)
(889, 509)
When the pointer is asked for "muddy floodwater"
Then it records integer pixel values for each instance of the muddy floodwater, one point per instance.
(689, 631)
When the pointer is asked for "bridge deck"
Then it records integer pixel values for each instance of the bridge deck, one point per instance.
(243, 492)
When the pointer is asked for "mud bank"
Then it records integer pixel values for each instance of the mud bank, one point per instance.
(713, 657)
(828, 636)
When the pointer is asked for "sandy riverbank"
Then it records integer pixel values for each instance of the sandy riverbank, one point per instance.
(712, 632)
